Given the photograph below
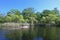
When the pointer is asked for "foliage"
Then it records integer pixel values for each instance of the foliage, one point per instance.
(29, 15)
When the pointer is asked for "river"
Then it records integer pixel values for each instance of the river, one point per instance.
(42, 33)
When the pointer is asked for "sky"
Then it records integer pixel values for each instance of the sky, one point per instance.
(38, 5)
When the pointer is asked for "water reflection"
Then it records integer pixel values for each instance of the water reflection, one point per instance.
(2, 35)
(38, 33)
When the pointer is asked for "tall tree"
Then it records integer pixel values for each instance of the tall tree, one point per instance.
(46, 12)
(1, 18)
(14, 16)
(14, 11)
(38, 14)
(28, 13)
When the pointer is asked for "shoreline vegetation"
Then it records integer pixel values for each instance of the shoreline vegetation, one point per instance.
(29, 15)
(14, 26)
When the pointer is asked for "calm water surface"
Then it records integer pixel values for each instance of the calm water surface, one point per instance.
(2, 35)
(51, 33)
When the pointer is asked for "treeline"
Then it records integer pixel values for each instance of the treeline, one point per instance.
(29, 15)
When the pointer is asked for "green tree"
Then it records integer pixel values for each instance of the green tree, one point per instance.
(38, 15)
(29, 15)
(14, 16)
(14, 11)
(46, 12)
(1, 18)
(49, 16)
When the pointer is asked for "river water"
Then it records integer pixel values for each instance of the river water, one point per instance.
(2, 35)
(40, 33)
